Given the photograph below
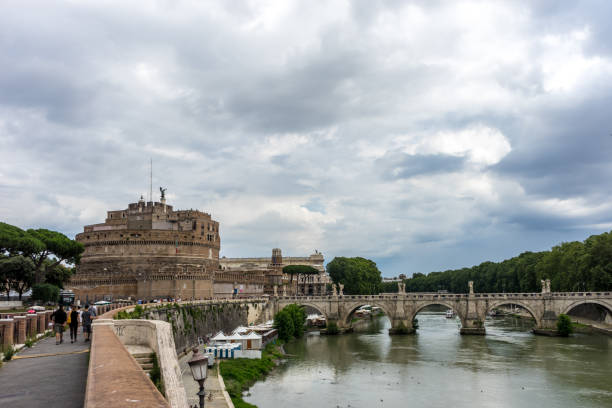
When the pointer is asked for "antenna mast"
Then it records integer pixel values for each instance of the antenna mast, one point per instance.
(151, 181)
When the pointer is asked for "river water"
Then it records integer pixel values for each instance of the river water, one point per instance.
(509, 367)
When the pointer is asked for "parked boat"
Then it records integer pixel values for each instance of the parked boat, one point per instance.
(450, 314)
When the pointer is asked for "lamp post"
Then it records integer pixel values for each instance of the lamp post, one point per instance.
(198, 365)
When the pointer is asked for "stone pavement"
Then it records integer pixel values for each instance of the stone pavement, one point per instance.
(46, 375)
(211, 385)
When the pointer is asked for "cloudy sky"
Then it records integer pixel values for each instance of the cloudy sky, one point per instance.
(425, 135)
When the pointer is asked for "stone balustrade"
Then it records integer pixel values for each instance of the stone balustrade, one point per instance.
(16, 328)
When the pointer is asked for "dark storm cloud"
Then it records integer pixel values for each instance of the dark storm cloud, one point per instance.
(571, 156)
(427, 134)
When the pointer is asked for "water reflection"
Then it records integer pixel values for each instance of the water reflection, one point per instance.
(510, 367)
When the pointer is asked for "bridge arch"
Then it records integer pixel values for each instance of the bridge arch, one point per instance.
(316, 307)
(419, 307)
(321, 309)
(531, 311)
(351, 307)
(602, 303)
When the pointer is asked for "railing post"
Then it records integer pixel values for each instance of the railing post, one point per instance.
(31, 322)
(20, 334)
(6, 327)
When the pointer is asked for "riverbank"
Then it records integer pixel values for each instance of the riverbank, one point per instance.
(240, 374)
(580, 325)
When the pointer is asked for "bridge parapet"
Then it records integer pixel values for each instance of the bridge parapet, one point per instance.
(471, 308)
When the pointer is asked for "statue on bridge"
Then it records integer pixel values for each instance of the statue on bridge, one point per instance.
(284, 290)
(545, 285)
(334, 291)
(471, 285)
(341, 286)
(275, 290)
(401, 287)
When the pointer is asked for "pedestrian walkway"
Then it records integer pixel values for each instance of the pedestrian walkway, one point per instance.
(46, 375)
(215, 397)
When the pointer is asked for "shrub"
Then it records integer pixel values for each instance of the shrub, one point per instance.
(564, 325)
(137, 313)
(155, 374)
(298, 316)
(9, 353)
(29, 342)
(283, 322)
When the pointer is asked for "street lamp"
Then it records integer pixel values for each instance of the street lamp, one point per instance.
(198, 365)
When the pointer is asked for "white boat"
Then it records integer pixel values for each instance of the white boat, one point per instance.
(450, 314)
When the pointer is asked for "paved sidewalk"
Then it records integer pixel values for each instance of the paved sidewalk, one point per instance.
(46, 375)
(211, 386)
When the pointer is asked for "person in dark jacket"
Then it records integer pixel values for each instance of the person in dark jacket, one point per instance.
(59, 320)
(74, 323)
(86, 317)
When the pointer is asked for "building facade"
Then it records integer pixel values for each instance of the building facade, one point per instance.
(151, 251)
(147, 251)
(272, 268)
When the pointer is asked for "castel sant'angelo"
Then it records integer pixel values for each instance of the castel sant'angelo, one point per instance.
(150, 250)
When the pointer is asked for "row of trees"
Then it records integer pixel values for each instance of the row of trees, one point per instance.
(35, 258)
(571, 266)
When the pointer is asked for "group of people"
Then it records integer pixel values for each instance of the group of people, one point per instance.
(74, 317)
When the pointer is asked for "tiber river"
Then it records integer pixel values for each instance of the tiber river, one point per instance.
(509, 367)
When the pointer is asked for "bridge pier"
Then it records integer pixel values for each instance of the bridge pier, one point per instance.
(547, 325)
(401, 326)
(472, 322)
(473, 327)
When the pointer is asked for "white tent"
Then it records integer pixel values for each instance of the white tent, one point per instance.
(219, 338)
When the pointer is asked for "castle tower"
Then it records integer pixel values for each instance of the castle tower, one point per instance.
(148, 250)
(277, 257)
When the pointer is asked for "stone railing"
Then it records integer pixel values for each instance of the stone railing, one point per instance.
(428, 296)
(114, 378)
(16, 328)
(157, 336)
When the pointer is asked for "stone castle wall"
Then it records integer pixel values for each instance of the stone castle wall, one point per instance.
(190, 322)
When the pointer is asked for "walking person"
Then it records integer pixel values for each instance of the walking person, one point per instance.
(86, 317)
(59, 318)
(74, 323)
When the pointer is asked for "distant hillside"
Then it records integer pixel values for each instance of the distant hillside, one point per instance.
(571, 266)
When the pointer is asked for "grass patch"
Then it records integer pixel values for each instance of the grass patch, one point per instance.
(240, 373)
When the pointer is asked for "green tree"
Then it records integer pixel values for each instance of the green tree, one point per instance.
(298, 316)
(571, 266)
(283, 322)
(45, 292)
(16, 273)
(58, 275)
(47, 249)
(359, 276)
(564, 325)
